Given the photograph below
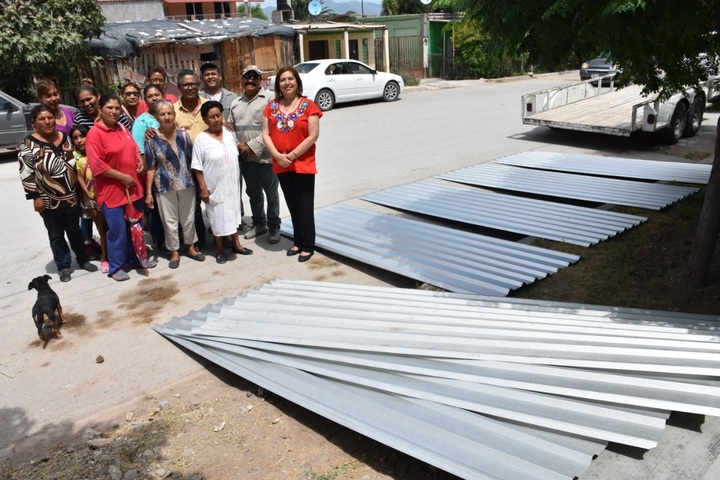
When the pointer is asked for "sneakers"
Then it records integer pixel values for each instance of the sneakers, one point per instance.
(89, 267)
(256, 232)
(244, 227)
(274, 235)
(65, 275)
(120, 276)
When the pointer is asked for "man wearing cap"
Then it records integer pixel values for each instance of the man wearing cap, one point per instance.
(213, 89)
(246, 114)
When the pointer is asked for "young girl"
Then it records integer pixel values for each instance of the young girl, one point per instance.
(87, 184)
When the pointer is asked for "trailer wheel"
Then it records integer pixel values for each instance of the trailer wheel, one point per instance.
(695, 116)
(676, 128)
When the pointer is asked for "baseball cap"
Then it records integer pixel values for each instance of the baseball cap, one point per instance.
(252, 68)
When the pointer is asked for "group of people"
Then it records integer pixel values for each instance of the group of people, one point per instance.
(148, 150)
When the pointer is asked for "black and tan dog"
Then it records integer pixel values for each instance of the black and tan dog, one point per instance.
(47, 312)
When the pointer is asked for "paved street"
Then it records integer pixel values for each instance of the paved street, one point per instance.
(362, 148)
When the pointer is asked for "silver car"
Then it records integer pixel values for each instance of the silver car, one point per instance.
(332, 81)
(13, 124)
(598, 67)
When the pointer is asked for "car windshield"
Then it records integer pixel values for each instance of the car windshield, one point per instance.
(306, 67)
(600, 62)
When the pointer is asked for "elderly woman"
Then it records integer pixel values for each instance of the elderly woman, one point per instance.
(217, 170)
(89, 98)
(48, 94)
(290, 130)
(47, 171)
(143, 123)
(167, 159)
(115, 161)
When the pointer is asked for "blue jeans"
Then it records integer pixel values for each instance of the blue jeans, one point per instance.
(259, 178)
(59, 223)
(119, 243)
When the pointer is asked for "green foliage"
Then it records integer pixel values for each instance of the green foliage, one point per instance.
(641, 35)
(44, 38)
(401, 7)
(257, 12)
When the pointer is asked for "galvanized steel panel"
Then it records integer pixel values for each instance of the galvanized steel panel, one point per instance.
(465, 444)
(653, 196)
(444, 257)
(611, 166)
(551, 220)
(364, 377)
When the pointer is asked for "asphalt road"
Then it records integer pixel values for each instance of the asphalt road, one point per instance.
(46, 392)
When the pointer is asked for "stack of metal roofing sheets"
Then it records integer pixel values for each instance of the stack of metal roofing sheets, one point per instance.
(409, 367)
(567, 185)
(611, 166)
(452, 259)
(538, 218)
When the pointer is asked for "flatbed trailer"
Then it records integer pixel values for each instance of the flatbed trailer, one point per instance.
(590, 107)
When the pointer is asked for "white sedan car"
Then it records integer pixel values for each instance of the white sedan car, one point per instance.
(332, 81)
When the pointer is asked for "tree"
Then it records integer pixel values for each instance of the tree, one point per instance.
(401, 7)
(641, 36)
(256, 11)
(44, 38)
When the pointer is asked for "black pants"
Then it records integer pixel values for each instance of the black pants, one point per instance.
(58, 224)
(299, 192)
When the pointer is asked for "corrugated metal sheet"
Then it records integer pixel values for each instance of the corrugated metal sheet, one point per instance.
(551, 220)
(460, 442)
(421, 401)
(451, 259)
(611, 166)
(567, 185)
(426, 330)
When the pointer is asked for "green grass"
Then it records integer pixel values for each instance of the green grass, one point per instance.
(644, 267)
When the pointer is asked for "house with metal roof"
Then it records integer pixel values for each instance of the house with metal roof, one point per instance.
(129, 48)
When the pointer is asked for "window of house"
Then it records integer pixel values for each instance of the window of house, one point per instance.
(194, 10)
(317, 49)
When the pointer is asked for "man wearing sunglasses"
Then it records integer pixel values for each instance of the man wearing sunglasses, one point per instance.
(246, 114)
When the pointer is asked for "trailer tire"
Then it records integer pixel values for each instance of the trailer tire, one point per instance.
(676, 128)
(695, 116)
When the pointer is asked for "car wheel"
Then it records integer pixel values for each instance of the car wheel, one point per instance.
(325, 99)
(391, 92)
(676, 128)
(695, 116)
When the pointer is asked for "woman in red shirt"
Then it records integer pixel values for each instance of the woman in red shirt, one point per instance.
(290, 129)
(114, 159)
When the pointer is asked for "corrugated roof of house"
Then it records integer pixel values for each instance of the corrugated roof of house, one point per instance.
(124, 39)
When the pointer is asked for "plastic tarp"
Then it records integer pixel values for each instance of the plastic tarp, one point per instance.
(124, 39)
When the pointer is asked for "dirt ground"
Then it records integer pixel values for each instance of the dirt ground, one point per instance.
(215, 425)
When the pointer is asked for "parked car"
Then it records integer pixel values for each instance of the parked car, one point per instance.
(13, 121)
(597, 67)
(332, 81)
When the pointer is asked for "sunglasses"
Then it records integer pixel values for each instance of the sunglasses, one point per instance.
(252, 76)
